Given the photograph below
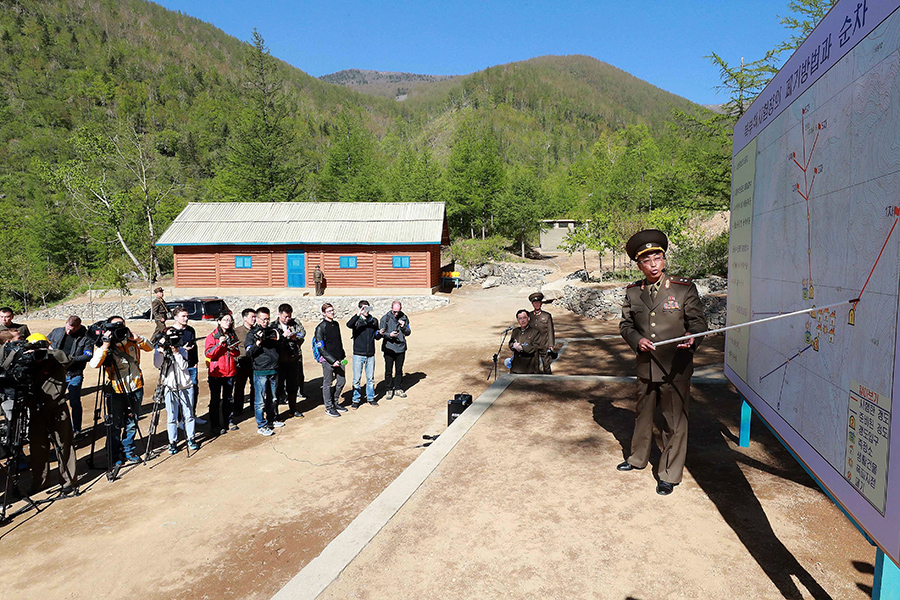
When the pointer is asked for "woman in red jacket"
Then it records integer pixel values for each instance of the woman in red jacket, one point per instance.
(221, 354)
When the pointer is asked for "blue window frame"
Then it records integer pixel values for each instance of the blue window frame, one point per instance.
(401, 262)
(243, 262)
(348, 262)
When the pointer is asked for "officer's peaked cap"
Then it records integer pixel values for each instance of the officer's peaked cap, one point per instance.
(648, 240)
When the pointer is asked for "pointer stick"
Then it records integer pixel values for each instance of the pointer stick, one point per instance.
(748, 323)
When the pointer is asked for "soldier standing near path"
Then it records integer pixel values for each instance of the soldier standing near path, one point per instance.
(543, 322)
(656, 308)
(158, 310)
(318, 279)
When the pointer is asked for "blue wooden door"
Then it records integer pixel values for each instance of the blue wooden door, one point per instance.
(296, 269)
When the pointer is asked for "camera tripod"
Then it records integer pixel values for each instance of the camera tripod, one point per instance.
(496, 356)
(159, 401)
(112, 469)
(15, 437)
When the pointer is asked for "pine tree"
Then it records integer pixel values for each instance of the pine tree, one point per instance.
(263, 152)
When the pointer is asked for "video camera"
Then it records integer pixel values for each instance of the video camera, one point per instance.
(168, 339)
(262, 334)
(104, 331)
(231, 339)
(18, 361)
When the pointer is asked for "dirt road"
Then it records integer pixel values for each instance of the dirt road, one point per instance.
(246, 513)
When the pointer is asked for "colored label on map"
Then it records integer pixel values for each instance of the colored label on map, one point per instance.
(868, 437)
(742, 177)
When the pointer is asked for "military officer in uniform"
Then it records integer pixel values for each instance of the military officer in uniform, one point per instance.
(657, 308)
(319, 280)
(524, 342)
(543, 322)
(158, 310)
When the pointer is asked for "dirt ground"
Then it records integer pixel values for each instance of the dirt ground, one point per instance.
(245, 513)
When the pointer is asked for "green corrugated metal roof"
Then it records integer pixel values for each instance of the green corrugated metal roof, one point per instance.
(269, 223)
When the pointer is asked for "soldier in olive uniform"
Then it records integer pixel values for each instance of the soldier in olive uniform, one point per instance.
(657, 308)
(543, 322)
(524, 344)
(158, 310)
(319, 280)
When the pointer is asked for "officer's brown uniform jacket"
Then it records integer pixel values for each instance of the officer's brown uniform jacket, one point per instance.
(543, 322)
(158, 310)
(527, 360)
(676, 310)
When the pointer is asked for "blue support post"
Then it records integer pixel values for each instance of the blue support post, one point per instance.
(887, 578)
(746, 413)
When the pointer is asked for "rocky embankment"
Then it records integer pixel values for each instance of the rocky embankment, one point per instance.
(306, 309)
(606, 304)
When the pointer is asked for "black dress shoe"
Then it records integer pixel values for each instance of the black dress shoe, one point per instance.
(627, 466)
(664, 488)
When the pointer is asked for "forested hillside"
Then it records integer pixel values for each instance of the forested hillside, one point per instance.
(114, 114)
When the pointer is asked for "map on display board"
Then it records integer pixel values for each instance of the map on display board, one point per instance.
(814, 212)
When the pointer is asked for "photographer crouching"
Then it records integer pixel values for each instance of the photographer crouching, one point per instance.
(119, 353)
(35, 375)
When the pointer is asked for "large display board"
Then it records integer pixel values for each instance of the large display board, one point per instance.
(815, 206)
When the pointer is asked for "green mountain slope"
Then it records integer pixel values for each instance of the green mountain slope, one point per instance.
(95, 92)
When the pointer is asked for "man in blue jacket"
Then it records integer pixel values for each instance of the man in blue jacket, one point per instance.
(365, 332)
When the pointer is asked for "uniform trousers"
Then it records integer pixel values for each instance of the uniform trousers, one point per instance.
(545, 362)
(673, 399)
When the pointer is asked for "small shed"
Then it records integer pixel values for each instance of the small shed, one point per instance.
(239, 248)
(554, 230)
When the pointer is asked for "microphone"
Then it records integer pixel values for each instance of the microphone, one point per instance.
(510, 328)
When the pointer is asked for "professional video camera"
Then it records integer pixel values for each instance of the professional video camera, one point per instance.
(103, 331)
(168, 339)
(18, 365)
(265, 333)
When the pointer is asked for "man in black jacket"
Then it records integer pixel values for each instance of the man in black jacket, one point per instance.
(290, 370)
(331, 354)
(73, 341)
(262, 347)
(365, 332)
(395, 329)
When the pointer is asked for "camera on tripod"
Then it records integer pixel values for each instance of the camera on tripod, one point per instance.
(168, 339)
(103, 331)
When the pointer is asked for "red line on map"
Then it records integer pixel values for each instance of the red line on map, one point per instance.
(813, 148)
(807, 184)
(876, 261)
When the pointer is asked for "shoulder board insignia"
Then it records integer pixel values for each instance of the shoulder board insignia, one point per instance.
(681, 280)
(635, 284)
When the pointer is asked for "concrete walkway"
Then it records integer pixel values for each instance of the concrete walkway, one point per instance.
(519, 498)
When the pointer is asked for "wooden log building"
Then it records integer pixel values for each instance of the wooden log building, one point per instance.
(236, 248)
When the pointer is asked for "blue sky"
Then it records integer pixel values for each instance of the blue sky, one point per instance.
(662, 42)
